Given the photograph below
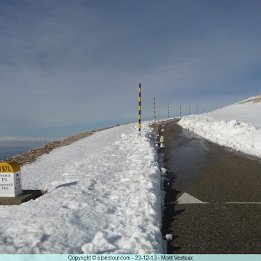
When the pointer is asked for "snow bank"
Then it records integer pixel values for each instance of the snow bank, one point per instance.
(103, 197)
(237, 126)
(239, 136)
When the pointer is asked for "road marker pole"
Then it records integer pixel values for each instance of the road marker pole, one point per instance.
(168, 110)
(139, 108)
(180, 110)
(155, 110)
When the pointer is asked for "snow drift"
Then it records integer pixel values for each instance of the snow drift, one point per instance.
(237, 126)
(103, 197)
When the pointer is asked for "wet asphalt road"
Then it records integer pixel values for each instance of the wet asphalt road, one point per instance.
(231, 184)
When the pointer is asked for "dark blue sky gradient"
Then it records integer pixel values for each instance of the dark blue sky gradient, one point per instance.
(67, 66)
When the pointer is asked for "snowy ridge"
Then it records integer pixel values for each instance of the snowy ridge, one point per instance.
(103, 197)
(237, 126)
(252, 99)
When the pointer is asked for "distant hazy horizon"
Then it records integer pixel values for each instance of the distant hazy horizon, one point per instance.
(9, 149)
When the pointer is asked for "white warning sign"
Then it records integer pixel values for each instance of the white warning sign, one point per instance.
(10, 180)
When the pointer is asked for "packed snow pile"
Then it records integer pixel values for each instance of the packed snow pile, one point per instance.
(237, 126)
(103, 196)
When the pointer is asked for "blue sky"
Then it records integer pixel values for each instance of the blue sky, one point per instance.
(67, 66)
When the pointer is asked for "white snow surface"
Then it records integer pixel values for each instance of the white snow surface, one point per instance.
(237, 126)
(103, 196)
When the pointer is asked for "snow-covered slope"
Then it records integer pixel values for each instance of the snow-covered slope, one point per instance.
(237, 126)
(247, 111)
(103, 197)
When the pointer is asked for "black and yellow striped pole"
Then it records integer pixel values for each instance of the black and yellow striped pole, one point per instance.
(139, 108)
(155, 110)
